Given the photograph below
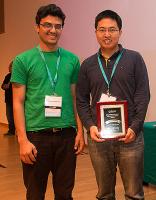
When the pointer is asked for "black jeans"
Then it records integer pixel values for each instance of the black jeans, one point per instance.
(56, 155)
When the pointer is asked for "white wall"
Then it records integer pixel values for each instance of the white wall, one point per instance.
(78, 35)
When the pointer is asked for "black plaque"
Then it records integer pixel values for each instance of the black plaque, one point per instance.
(112, 119)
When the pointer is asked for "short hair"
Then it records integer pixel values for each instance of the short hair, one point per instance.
(50, 9)
(108, 14)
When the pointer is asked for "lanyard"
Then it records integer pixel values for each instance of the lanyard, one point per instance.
(52, 81)
(113, 70)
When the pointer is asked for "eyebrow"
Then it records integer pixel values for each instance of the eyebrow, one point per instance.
(107, 27)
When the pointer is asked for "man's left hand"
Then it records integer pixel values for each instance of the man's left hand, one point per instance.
(129, 137)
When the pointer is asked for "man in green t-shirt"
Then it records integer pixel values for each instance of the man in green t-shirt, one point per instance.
(44, 80)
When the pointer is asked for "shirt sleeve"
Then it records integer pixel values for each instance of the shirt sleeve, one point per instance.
(76, 66)
(142, 94)
(83, 98)
(19, 73)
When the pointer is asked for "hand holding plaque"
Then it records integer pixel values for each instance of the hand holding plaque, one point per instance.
(112, 119)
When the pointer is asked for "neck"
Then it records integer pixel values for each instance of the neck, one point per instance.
(107, 53)
(48, 48)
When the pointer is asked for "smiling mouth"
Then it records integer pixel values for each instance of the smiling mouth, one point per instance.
(107, 41)
(52, 36)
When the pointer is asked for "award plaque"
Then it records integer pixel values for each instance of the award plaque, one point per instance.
(112, 119)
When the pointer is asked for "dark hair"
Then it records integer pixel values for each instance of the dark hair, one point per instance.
(50, 9)
(108, 14)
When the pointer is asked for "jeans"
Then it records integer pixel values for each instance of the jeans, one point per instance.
(107, 155)
(56, 154)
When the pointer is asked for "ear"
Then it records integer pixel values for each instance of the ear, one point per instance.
(37, 28)
(120, 32)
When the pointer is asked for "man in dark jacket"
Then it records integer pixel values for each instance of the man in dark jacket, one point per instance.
(114, 74)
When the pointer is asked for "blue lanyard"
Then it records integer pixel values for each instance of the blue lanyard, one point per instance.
(52, 81)
(113, 70)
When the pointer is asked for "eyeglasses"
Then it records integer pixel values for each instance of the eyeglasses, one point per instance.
(110, 30)
(49, 26)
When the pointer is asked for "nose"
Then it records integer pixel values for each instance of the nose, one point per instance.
(107, 32)
(53, 29)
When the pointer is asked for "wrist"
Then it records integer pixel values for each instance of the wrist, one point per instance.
(132, 131)
(22, 139)
(80, 132)
(92, 127)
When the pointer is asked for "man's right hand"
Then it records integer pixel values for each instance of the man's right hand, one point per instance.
(94, 133)
(28, 152)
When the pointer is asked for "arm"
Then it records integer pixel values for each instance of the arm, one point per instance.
(79, 140)
(28, 151)
(83, 104)
(141, 99)
(141, 96)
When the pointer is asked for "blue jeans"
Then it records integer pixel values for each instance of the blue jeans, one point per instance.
(56, 154)
(107, 155)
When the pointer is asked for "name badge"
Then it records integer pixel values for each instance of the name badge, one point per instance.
(53, 106)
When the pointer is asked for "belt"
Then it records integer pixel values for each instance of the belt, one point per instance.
(52, 130)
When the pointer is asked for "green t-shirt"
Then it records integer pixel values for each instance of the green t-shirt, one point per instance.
(29, 69)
